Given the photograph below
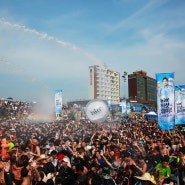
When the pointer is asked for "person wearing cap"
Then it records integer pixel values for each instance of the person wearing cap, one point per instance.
(146, 179)
(46, 166)
(54, 157)
(42, 160)
(66, 173)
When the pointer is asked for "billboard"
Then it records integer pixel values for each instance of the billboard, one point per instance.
(165, 100)
(58, 101)
(180, 104)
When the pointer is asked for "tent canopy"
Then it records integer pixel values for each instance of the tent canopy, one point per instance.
(151, 114)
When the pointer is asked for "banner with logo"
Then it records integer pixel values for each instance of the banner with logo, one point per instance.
(123, 106)
(128, 107)
(180, 104)
(165, 100)
(58, 101)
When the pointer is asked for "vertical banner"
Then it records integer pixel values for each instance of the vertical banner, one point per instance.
(128, 108)
(180, 104)
(109, 102)
(165, 100)
(123, 107)
(58, 101)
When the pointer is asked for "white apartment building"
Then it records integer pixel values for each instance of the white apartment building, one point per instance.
(104, 83)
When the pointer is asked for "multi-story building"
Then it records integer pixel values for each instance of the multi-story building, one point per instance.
(104, 83)
(142, 87)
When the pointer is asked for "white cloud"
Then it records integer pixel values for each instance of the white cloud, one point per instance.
(40, 58)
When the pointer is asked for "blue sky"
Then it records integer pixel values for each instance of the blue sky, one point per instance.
(47, 45)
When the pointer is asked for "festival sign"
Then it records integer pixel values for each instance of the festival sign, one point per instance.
(165, 100)
(128, 108)
(123, 106)
(58, 101)
(180, 104)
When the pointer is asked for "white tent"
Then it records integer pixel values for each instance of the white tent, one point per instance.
(151, 116)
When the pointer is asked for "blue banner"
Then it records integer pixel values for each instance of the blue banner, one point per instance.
(58, 101)
(165, 100)
(123, 107)
(137, 108)
(180, 104)
(128, 107)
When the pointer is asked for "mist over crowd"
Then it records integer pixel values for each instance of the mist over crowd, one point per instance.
(124, 150)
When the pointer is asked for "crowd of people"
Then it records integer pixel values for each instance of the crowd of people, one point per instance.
(68, 152)
(10, 109)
